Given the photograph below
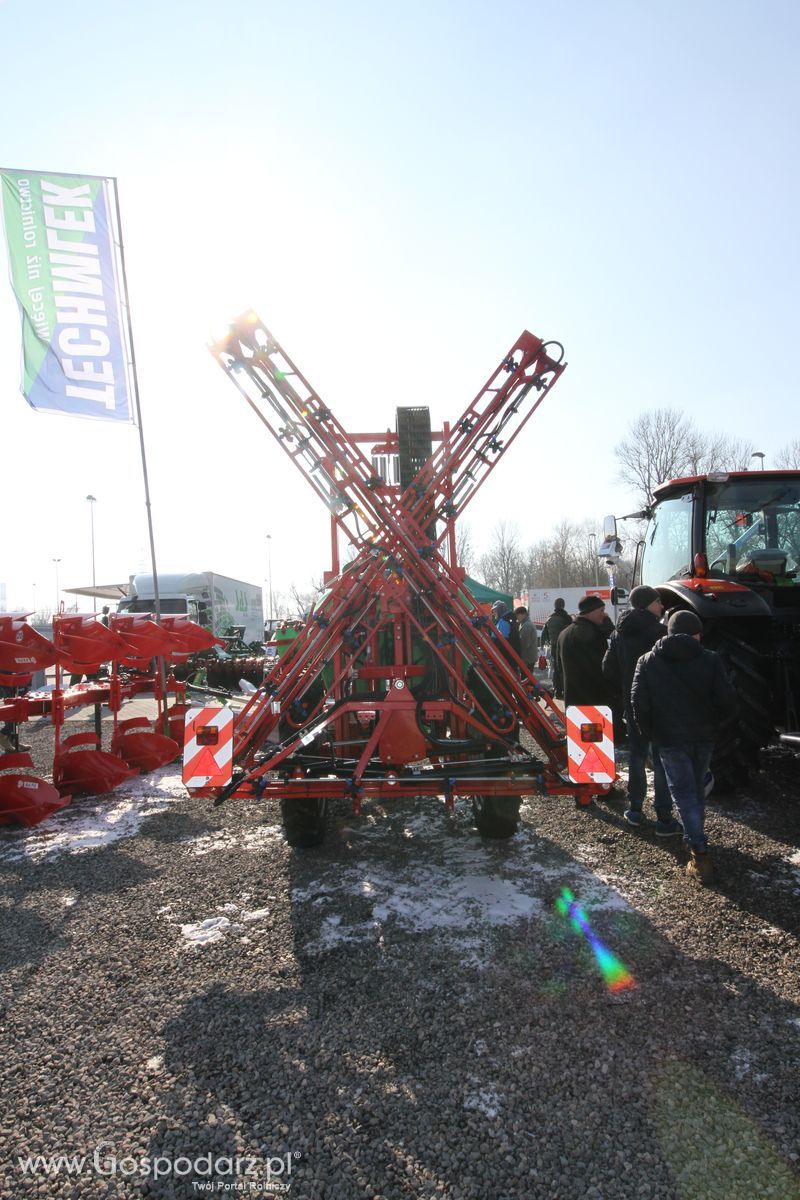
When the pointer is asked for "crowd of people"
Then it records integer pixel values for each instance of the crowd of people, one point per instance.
(668, 694)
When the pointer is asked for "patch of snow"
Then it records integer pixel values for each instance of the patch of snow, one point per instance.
(485, 1100)
(86, 824)
(225, 839)
(155, 1063)
(476, 886)
(742, 1062)
(206, 932)
(202, 933)
(258, 914)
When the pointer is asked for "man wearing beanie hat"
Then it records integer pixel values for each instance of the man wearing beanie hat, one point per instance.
(638, 631)
(581, 647)
(680, 697)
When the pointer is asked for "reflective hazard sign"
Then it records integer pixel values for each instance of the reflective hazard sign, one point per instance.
(208, 747)
(590, 744)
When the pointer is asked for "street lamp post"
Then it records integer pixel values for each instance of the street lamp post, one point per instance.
(759, 454)
(269, 578)
(58, 589)
(92, 501)
(593, 550)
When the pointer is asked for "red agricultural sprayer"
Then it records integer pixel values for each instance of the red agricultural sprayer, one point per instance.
(398, 685)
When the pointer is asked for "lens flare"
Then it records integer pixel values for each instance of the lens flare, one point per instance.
(616, 975)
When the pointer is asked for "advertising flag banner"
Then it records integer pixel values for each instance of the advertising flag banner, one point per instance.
(65, 271)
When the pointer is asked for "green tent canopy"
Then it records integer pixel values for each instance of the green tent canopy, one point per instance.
(486, 595)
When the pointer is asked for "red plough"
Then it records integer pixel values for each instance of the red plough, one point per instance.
(25, 798)
(22, 650)
(81, 646)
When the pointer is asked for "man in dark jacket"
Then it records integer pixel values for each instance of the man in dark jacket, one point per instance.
(680, 697)
(581, 649)
(638, 631)
(554, 626)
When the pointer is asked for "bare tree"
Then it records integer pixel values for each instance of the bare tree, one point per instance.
(465, 553)
(280, 606)
(665, 444)
(789, 457)
(302, 602)
(725, 453)
(567, 558)
(659, 446)
(503, 566)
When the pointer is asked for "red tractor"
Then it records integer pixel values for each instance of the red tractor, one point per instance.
(399, 685)
(727, 546)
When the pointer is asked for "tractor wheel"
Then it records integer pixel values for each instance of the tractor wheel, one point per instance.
(496, 816)
(740, 741)
(304, 822)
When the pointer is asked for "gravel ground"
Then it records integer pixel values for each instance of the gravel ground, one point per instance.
(402, 1013)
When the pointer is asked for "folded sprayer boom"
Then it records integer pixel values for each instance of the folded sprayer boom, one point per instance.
(399, 683)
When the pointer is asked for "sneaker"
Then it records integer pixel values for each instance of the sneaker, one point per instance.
(634, 817)
(22, 748)
(700, 867)
(6, 745)
(670, 828)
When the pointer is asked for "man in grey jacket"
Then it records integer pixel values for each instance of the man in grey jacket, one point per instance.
(681, 696)
(528, 638)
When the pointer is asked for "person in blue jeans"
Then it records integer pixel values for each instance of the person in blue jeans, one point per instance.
(638, 631)
(681, 696)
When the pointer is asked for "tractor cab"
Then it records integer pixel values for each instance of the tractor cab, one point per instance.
(722, 532)
(727, 546)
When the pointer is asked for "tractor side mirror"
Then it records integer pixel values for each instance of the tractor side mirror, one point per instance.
(612, 546)
(609, 529)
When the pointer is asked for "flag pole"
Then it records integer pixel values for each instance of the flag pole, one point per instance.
(138, 409)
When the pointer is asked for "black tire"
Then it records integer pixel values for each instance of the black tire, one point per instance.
(739, 742)
(304, 822)
(496, 816)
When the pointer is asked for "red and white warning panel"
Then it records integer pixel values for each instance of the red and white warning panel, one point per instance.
(590, 744)
(208, 747)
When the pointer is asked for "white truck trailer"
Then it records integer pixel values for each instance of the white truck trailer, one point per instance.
(540, 601)
(214, 601)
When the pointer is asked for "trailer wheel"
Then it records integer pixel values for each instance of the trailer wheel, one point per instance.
(740, 741)
(496, 816)
(304, 822)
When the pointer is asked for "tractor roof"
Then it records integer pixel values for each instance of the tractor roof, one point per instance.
(663, 489)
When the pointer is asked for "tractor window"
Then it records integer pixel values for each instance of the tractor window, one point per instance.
(752, 526)
(667, 551)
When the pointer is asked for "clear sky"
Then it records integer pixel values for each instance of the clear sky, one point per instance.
(399, 190)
